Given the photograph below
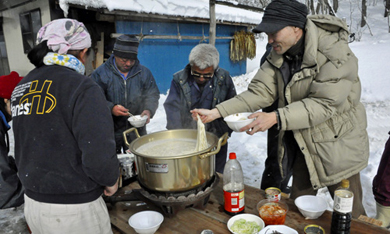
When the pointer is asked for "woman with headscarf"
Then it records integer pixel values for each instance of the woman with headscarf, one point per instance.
(64, 138)
(11, 190)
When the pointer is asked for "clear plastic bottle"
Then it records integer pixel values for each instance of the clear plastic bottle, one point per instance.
(342, 209)
(233, 186)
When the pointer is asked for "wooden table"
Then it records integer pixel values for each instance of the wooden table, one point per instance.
(213, 217)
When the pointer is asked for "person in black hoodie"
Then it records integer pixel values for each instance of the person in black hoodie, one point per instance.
(11, 190)
(64, 137)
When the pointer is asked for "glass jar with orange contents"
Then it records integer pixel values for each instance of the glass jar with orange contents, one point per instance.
(272, 212)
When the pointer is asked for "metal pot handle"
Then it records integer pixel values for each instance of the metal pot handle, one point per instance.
(127, 132)
(222, 141)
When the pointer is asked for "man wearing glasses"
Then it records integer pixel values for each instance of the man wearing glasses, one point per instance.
(201, 84)
(128, 86)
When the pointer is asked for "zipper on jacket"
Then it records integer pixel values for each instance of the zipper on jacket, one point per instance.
(124, 81)
(130, 77)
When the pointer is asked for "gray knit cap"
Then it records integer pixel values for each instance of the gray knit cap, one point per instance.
(281, 13)
(126, 46)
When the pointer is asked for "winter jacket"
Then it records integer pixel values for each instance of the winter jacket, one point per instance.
(271, 176)
(320, 104)
(11, 189)
(380, 184)
(64, 137)
(184, 96)
(137, 93)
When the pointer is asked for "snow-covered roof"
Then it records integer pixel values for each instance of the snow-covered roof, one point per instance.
(183, 8)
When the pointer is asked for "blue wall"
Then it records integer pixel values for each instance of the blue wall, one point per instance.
(164, 57)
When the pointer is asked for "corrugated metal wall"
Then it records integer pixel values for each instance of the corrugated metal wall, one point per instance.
(164, 57)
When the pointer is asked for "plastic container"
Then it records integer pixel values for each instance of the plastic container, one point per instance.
(233, 186)
(342, 209)
(272, 212)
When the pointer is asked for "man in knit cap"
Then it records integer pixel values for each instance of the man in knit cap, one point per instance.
(312, 75)
(129, 88)
(294, 15)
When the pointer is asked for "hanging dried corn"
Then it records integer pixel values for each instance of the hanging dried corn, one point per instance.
(242, 46)
(250, 45)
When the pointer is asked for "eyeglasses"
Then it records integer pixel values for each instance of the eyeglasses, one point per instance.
(123, 60)
(198, 75)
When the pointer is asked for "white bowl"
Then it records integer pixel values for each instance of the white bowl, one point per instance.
(310, 206)
(237, 121)
(247, 217)
(279, 229)
(138, 121)
(146, 222)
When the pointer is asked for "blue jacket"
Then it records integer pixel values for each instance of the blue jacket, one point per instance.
(137, 93)
(184, 96)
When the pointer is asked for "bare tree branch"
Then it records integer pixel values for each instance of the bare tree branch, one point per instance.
(363, 21)
(331, 11)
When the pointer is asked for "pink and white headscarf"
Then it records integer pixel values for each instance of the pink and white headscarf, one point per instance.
(64, 34)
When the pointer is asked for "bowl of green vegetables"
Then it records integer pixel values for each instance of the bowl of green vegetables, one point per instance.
(245, 224)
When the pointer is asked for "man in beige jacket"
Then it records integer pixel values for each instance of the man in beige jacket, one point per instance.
(312, 74)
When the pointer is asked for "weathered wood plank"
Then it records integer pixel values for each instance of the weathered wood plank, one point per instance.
(99, 51)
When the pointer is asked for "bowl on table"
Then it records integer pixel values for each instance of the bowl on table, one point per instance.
(278, 229)
(238, 120)
(310, 206)
(146, 222)
(137, 121)
(247, 218)
(272, 212)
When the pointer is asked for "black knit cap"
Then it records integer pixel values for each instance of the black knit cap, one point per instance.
(281, 13)
(126, 46)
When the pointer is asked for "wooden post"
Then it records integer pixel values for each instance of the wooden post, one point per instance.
(100, 51)
(213, 25)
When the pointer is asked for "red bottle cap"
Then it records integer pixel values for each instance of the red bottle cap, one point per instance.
(232, 156)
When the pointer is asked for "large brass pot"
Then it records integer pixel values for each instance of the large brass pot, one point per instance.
(175, 173)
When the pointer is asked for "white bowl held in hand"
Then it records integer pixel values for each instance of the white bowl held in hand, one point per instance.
(146, 222)
(137, 121)
(247, 218)
(237, 121)
(310, 206)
